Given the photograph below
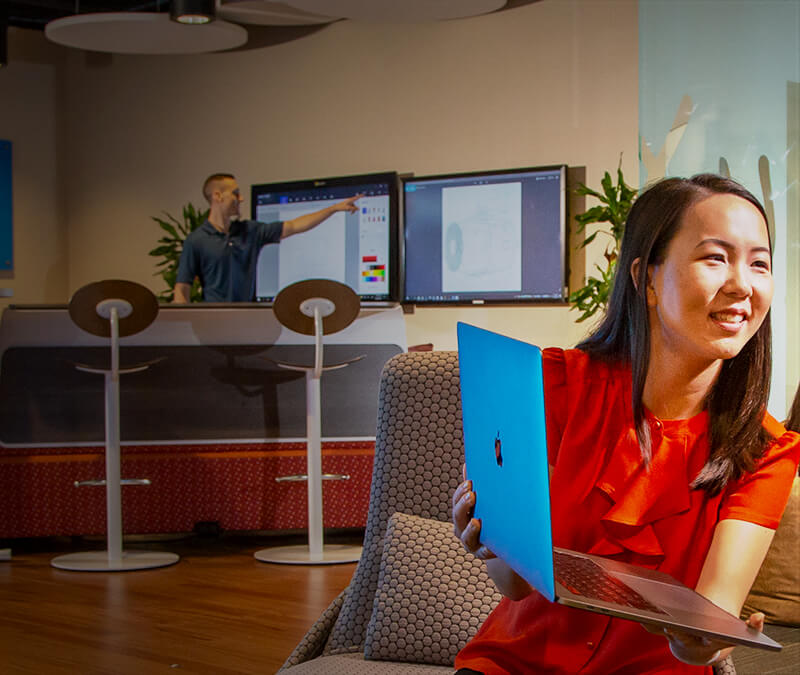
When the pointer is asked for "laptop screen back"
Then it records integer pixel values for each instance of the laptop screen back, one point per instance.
(505, 444)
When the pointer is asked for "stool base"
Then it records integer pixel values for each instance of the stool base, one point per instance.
(98, 561)
(332, 554)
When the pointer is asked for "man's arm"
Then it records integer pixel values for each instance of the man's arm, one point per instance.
(182, 293)
(311, 220)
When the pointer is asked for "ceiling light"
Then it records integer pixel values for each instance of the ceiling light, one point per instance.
(192, 11)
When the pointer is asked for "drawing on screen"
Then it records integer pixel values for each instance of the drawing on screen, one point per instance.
(453, 247)
(482, 242)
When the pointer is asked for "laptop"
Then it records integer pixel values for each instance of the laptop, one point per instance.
(505, 443)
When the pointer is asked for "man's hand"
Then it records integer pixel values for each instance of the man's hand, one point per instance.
(182, 293)
(348, 205)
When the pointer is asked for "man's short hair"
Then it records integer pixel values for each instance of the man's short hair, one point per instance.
(208, 186)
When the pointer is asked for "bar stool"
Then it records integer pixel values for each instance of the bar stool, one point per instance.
(314, 307)
(113, 308)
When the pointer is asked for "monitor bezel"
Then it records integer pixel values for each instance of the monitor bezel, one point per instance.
(561, 299)
(390, 177)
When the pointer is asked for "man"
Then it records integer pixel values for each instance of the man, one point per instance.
(223, 251)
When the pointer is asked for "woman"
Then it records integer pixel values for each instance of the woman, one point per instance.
(661, 450)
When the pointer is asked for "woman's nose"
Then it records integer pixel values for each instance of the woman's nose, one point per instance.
(738, 281)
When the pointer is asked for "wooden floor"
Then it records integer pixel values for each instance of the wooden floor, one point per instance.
(217, 611)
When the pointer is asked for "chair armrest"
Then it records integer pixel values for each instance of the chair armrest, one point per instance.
(314, 640)
(725, 667)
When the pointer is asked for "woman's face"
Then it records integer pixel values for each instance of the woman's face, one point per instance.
(714, 288)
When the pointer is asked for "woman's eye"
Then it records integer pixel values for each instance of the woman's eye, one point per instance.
(717, 257)
(763, 264)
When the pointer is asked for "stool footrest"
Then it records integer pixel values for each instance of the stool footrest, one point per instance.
(303, 477)
(102, 482)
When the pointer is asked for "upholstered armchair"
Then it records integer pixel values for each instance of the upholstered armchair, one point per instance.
(416, 597)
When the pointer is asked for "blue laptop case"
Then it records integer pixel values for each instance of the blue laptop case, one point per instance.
(505, 443)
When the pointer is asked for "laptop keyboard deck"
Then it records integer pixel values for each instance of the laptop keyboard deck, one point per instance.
(582, 576)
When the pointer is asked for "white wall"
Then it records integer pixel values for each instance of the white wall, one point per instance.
(551, 82)
(28, 118)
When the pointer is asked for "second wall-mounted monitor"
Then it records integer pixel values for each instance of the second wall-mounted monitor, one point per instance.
(358, 249)
(482, 237)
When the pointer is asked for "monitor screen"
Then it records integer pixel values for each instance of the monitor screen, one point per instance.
(358, 249)
(493, 236)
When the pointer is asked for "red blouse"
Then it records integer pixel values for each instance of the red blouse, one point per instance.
(605, 502)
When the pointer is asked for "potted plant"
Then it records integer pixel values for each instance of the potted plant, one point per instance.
(171, 245)
(616, 201)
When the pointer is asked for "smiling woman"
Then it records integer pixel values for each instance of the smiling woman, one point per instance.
(662, 453)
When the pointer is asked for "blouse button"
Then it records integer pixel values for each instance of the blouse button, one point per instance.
(590, 645)
(658, 425)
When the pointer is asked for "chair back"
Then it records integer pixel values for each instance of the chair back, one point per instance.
(419, 453)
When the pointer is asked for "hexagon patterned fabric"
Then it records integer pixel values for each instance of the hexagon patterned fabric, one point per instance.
(418, 458)
(432, 595)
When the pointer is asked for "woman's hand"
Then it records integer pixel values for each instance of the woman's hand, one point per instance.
(700, 651)
(692, 649)
(465, 527)
(468, 530)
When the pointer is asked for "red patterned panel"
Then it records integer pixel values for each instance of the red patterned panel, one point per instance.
(230, 484)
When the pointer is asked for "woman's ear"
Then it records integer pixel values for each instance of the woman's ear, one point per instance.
(635, 272)
(649, 289)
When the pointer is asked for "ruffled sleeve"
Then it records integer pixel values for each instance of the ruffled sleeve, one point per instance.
(760, 497)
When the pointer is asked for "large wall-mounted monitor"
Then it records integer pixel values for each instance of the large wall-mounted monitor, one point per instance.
(483, 237)
(358, 249)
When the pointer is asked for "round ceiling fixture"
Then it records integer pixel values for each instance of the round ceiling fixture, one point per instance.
(266, 13)
(142, 33)
(193, 12)
(399, 11)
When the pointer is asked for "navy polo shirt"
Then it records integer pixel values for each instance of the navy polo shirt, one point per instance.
(226, 263)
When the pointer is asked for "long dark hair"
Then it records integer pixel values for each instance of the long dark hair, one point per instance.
(738, 399)
(792, 422)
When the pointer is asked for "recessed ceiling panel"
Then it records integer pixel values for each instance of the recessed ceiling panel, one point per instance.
(265, 13)
(399, 11)
(143, 33)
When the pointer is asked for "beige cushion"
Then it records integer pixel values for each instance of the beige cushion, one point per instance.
(776, 590)
(432, 595)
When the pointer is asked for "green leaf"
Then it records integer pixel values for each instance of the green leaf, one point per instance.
(161, 250)
(615, 204)
(596, 214)
(608, 189)
(588, 240)
(169, 248)
(587, 192)
(168, 228)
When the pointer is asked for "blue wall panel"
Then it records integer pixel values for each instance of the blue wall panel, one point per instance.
(6, 211)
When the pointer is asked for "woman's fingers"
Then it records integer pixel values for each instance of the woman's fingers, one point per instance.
(465, 527)
(756, 620)
(471, 539)
(461, 490)
(463, 503)
(693, 649)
